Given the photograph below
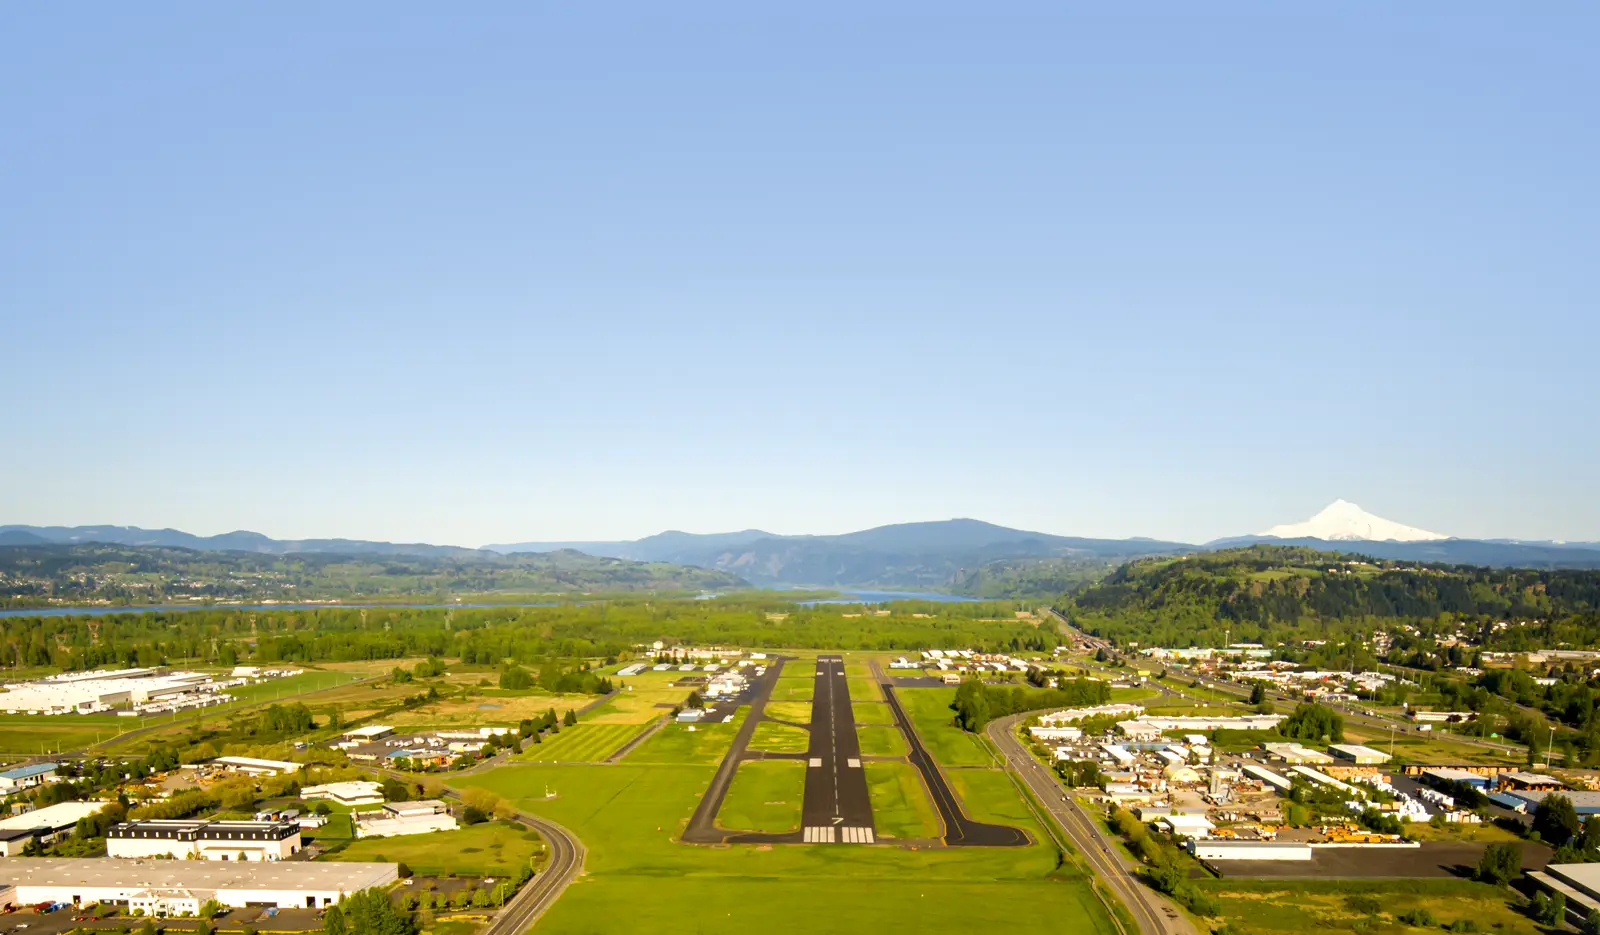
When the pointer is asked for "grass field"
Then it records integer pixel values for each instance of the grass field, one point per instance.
(629, 817)
(793, 689)
(490, 849)
(900, 806)
(765, 796)
(881, 741)
(864, 690)
(867, 712)
(1263, 907)
(678, 744)
(582, 743)
(800, 668)
(797, 711)
(929, 710)
(779, 738)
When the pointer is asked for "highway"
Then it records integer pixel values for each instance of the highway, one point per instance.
(1153, 915)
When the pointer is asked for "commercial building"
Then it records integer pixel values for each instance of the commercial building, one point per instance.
(172, 887)
(24, 777)
(369, 733)
(356, 792)
(48, 825)
(255, 767)
(1359, 755)
(1579, 883)
(1249, 850)
(1055, 733)
(1266, 777)
(1190, 826)
(1295, 754)
(398, 818)
(1071, 715)
(205, 840)
(1444, 776)
(1521, 780)
(1241, 722)
(103, 690)
(1583, 802)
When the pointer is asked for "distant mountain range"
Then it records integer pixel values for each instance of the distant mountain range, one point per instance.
(959, 555)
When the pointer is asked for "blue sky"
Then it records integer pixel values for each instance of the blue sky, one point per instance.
(541, 271)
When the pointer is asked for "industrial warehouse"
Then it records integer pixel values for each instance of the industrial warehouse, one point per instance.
(205, 840)
(174, 887)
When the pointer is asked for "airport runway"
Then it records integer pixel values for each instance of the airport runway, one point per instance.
(837, 808)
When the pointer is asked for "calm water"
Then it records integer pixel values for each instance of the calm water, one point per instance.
(852, 596)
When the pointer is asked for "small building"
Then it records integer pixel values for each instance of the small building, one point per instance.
(24, 777)
(1138, 730)
(255, 767)
(48, 825)
(172, 887)
(690, 715)
(205, 840)
(1358, 754)
(1295, 755)
(1248, 850)
(356, 792)
(397, 818)
(1190, 826)
(369, 733)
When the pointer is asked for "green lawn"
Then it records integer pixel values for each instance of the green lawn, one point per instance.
(867, 712)
(779, 738)
(929, 711)
(765, 796)
(797, 711)
(900, 806)
(687, 743)
(582, 743)
(881, 741)
(800, 668)
(337, 828)
(793, 689)
(864, 690)
(490, 849)
(629, 818)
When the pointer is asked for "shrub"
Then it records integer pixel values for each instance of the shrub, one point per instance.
(1419, 917)
(1364, 904)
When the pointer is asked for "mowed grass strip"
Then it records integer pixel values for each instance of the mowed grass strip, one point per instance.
(765, 796)
(867, 712)
(687, 744)
(800, 668)
(900, 806)
(794, 689)
(796, 711)
(864, 690)
(582, 743)
(779, 738)
(929, 711)
(881, 741)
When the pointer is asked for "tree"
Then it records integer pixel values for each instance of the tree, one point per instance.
(1500, 863)
(333, 922)
(395, 791)
(570, 718)
(1551, 910)
(1591, 923)
(369, 912)
(1311, 721)
(694, 701)
(1556, 820)
(515, 678)
(1258, 694)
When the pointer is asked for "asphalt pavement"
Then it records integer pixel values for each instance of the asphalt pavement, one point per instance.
(837, 808)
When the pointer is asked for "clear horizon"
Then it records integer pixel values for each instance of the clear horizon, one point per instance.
(564, 274)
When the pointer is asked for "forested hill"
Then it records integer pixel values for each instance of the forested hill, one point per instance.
(43, 575)
(1265, 585)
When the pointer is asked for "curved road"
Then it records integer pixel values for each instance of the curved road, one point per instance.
(1151, 913)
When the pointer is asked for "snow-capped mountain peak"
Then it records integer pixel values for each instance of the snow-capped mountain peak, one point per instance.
(1342, 519)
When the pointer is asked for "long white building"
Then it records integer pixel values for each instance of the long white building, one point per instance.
(172, 887)
(247, 841)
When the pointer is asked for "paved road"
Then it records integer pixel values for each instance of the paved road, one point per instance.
(959, 830)
(837, 808)
(1149, 910)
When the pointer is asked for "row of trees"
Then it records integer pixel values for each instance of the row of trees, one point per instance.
(977, 703)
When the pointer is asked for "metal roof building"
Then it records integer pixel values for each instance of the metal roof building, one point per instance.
(168, 887)
(1356, 753)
